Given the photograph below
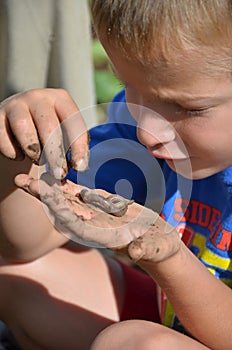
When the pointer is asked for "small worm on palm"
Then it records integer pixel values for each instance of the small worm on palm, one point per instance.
(113, 204)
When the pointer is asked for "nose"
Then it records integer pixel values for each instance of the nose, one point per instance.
(153, 130)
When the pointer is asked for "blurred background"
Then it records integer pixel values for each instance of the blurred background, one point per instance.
(51, 43)
(106, 84)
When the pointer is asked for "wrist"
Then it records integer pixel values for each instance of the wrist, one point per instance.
(169, 265)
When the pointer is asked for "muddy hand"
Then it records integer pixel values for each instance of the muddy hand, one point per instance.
(79, 221)
(39, 123)
(159, 243)
(139, 233)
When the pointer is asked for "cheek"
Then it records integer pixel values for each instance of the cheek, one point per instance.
(194, 136)
(211, 133)
(206, 141)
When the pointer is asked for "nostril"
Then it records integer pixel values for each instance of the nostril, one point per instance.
(157, 146)
(149, 141)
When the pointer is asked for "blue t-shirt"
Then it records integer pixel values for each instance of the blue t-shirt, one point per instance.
(201, 210)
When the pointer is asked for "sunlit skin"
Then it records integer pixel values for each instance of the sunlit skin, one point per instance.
(76, 292)
(190, 109)
(61, 288)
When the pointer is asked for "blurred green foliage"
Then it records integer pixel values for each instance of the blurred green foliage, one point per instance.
(106, 83)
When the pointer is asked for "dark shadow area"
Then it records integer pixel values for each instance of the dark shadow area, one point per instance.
(40, 320)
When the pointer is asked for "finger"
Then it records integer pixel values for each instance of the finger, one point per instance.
(78, 222)
(23, 129)
(22, 180)
(75, 131)
(159, 243)
(51, 137)
(28, 184)
(78, 226)
(8, 145)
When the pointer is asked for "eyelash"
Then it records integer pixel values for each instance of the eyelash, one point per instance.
(192, 112)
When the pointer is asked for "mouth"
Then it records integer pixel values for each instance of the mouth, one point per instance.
(166, 156)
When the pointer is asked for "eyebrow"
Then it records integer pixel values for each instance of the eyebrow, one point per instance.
(190, 98)
(171, 98)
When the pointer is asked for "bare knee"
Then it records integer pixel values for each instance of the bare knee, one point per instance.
(133, 334)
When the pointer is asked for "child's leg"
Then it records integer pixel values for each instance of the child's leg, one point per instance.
(65, 298)
(143, 335)
(61, 300)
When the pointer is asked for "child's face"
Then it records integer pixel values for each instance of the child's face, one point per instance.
(193, 108)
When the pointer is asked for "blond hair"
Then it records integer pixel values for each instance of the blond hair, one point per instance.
(161, 30)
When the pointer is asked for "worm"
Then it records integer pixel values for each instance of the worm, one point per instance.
(114, 204)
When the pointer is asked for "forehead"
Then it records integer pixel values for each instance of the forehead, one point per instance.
(186, 71)
(174, 87)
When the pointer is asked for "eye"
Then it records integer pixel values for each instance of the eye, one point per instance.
(191, 112)
(195, 112)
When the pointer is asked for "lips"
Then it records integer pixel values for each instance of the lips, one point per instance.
(163, 154)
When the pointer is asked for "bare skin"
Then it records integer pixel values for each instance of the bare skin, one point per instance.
(31, 237)
(54, 119)
(143, 335)
(49, 303)
(52, 280)
(160, 252)
(151, 236)
(46, 281)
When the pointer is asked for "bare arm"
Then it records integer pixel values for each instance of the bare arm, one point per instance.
(202, 303)
(25, 230)
(31, 122)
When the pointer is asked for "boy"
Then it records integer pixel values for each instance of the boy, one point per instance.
(183, 117)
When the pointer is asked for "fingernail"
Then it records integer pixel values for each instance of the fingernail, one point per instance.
(82, 164)
(59, 173)
(34, 150)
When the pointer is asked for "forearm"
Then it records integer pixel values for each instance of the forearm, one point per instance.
(203, 303)
(25, 230)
